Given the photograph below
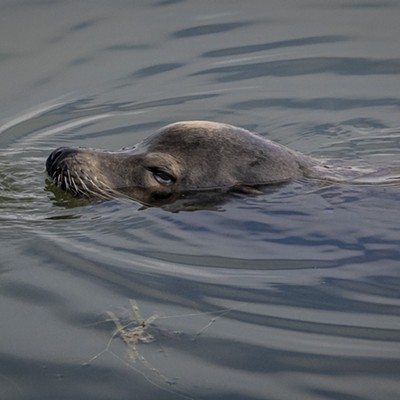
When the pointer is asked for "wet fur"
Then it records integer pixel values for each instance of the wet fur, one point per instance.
(196, 156)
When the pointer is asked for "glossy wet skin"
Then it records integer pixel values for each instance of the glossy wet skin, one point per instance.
(184, 157)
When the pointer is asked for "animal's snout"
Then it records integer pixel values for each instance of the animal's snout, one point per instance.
(57, 156)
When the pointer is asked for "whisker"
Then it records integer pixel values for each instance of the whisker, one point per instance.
(81, 184)
(75, 187)
(66, 183)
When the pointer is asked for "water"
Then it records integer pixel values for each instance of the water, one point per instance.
(292, 294)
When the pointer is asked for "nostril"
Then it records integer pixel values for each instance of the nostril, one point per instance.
(57, 156)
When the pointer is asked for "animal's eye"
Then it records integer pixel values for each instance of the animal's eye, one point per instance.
(162, 177)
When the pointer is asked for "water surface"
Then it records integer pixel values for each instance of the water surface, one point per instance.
(293, 294)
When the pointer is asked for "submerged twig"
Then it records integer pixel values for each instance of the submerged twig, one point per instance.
(136, 330)
(132, 335)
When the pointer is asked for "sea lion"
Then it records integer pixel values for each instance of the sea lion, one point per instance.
(181, 158)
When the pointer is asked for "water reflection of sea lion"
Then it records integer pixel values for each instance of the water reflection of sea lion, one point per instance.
(181, 158)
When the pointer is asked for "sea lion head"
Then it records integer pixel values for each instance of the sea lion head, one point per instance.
(181, 158)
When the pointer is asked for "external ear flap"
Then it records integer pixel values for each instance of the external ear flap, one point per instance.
(245, 189)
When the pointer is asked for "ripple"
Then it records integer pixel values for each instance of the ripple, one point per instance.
(156, 69)
(304, 66)
(306, 41)
(208, 29)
